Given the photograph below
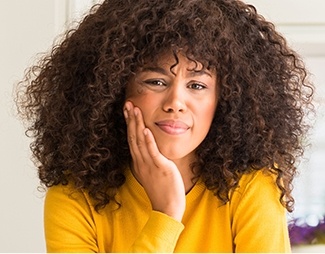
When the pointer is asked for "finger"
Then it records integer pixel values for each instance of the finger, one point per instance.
(132, 133)
(153, 151)
(141, 143)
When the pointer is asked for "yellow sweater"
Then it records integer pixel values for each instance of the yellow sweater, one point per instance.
(253, 221)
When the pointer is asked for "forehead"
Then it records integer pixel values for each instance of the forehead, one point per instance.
(171, 60)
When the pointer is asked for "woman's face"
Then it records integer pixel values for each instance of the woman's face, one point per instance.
(177, 104)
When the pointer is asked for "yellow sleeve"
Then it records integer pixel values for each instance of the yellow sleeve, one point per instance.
(68, 223)
(160, 234)
(259, 221)
(70, 226)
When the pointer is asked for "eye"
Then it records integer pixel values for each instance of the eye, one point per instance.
(155, 82)
(196, 86)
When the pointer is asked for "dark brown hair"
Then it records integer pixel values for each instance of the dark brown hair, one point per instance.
(74, 96)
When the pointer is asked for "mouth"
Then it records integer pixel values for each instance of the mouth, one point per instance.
(173, 127)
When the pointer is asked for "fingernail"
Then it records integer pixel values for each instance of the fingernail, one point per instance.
(135, 110)
(127, 106)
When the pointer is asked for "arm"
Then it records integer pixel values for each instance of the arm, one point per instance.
(159, 176)
(68, 223)
(162, 240)
(162, 182)
(70, 227)
(259, 221)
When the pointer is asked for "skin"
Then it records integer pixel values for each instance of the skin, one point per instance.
(168, 114)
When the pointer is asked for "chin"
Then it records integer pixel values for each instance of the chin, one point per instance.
(175, 155)
(170, 154)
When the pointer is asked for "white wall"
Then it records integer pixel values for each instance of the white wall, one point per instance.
(302, 22)
(26, 29)
(29, 27)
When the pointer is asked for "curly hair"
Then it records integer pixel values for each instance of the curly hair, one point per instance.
(73, 97)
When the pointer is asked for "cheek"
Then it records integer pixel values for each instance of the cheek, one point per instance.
(139, 99)
(207, 114)
(133, 90)
(135, 94)
(144, 101)
(212, 110)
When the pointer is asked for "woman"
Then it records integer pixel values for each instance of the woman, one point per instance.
(168, 126)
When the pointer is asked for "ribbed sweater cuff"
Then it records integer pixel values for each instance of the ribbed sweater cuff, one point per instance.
(160, 234)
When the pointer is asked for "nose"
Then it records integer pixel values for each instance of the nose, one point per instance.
(175, 99)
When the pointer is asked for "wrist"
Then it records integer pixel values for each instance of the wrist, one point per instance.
(176, 212)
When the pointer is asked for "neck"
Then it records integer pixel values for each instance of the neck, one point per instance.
(187, 173)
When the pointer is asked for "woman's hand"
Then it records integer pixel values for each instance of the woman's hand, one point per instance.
(158, 175)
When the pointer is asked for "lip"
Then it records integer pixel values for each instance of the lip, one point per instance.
(173, 127)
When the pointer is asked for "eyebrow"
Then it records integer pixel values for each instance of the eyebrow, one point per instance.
(193, 73)
(154, 69)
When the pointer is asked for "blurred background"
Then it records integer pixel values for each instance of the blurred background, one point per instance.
(30, 27)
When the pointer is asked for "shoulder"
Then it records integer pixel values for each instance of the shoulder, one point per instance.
(256, 211)
(69, 220)
(61, 196)
(64, 191)
(257, 188)
(257, 180)
(66, 207)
